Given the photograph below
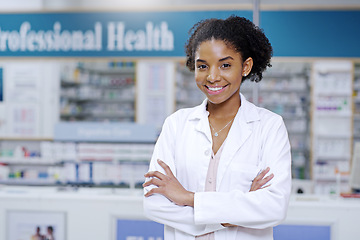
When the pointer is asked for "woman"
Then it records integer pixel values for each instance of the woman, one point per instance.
(209, 174)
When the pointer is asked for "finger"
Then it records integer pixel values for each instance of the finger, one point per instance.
(268, 178)
(264, 172)
(151, 192)
(265, 180)
(266, 186)
(260, 184)
(261, 174)
(157, 174)
(166, 168)
(153, 181)
(228, 225)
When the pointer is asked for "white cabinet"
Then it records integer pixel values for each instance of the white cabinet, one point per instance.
(332, 125)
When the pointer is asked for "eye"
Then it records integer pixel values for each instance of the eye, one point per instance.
(201, 67)
(226, 65)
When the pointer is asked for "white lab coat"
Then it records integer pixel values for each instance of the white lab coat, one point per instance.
(257, 139)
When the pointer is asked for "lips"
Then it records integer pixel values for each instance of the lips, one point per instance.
(215, 89)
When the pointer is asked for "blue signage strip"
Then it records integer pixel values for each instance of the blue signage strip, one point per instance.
(301, 232)
(144, 229)
(139, 230)
(105, 132)
(330, 33)
(121, 34)
(313, 33)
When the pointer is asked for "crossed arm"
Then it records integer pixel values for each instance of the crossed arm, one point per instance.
(168, 186)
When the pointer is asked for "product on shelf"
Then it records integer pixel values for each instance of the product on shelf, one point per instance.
(98, 91)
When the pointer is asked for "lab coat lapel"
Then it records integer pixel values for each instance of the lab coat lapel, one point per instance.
(240, 131)
(201, 116)
(203, 126)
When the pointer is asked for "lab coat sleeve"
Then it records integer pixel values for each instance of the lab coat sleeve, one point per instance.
(259, 209)
(161, 209)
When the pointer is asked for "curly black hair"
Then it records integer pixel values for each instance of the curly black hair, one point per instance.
(237, 32)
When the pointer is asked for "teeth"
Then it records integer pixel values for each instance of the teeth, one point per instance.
(214, 88)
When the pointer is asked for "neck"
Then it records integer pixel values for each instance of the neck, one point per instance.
(225, 110)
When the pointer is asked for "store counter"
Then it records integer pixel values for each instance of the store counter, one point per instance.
(100, 213)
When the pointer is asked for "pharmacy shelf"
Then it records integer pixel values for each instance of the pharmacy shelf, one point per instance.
(89, 86)
(333, 158)
(107, 70)
(331, 178)
(332, 117)
(21, 182)
(31, 161)
(334, 135)
(284, 90)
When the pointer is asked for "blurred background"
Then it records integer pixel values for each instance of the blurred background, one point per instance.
(86, 85)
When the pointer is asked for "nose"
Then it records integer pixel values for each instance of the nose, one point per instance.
(214, 75)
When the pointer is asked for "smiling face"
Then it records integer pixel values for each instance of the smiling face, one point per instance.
(219, 70)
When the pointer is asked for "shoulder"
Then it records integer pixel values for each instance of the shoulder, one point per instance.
(184, 114)
(266, 117)
(271, 123)
(177, 121)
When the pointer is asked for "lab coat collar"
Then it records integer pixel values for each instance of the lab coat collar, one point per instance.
(250, 112)
(200, 114)
(239, 132)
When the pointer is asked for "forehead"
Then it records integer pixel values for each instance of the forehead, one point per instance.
(215, 47)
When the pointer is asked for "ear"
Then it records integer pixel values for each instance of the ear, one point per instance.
(247, 66)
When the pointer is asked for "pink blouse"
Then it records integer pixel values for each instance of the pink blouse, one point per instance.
(210, 184)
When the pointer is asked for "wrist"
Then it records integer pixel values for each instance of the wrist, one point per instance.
(190, 199)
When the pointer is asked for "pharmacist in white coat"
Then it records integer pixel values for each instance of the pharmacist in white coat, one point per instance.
(221, 170)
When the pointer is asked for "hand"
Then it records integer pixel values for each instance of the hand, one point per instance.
(258, 183)
(168, 186)
(260, 180)
(228, 225)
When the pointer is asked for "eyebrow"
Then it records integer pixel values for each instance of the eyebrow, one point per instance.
(222, 59)
(226, 58)
(200, 60)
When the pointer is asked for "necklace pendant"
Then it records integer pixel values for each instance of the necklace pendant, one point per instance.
(216, 134)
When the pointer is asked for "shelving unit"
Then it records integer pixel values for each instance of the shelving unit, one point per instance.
(187, 94)
(356, 99)
(72, 161)
(332, 112)
(98, 91)
(96, 165)
(284, 90)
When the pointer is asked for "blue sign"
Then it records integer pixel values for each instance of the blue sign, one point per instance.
(1, 86)
(301, 232)
(121, 34)
(139, 230)
(313, 33)
(320, 33)
(148, 230)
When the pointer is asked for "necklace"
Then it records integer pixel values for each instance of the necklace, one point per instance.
(217, 133)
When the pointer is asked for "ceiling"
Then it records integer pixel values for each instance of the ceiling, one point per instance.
(11, 5)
